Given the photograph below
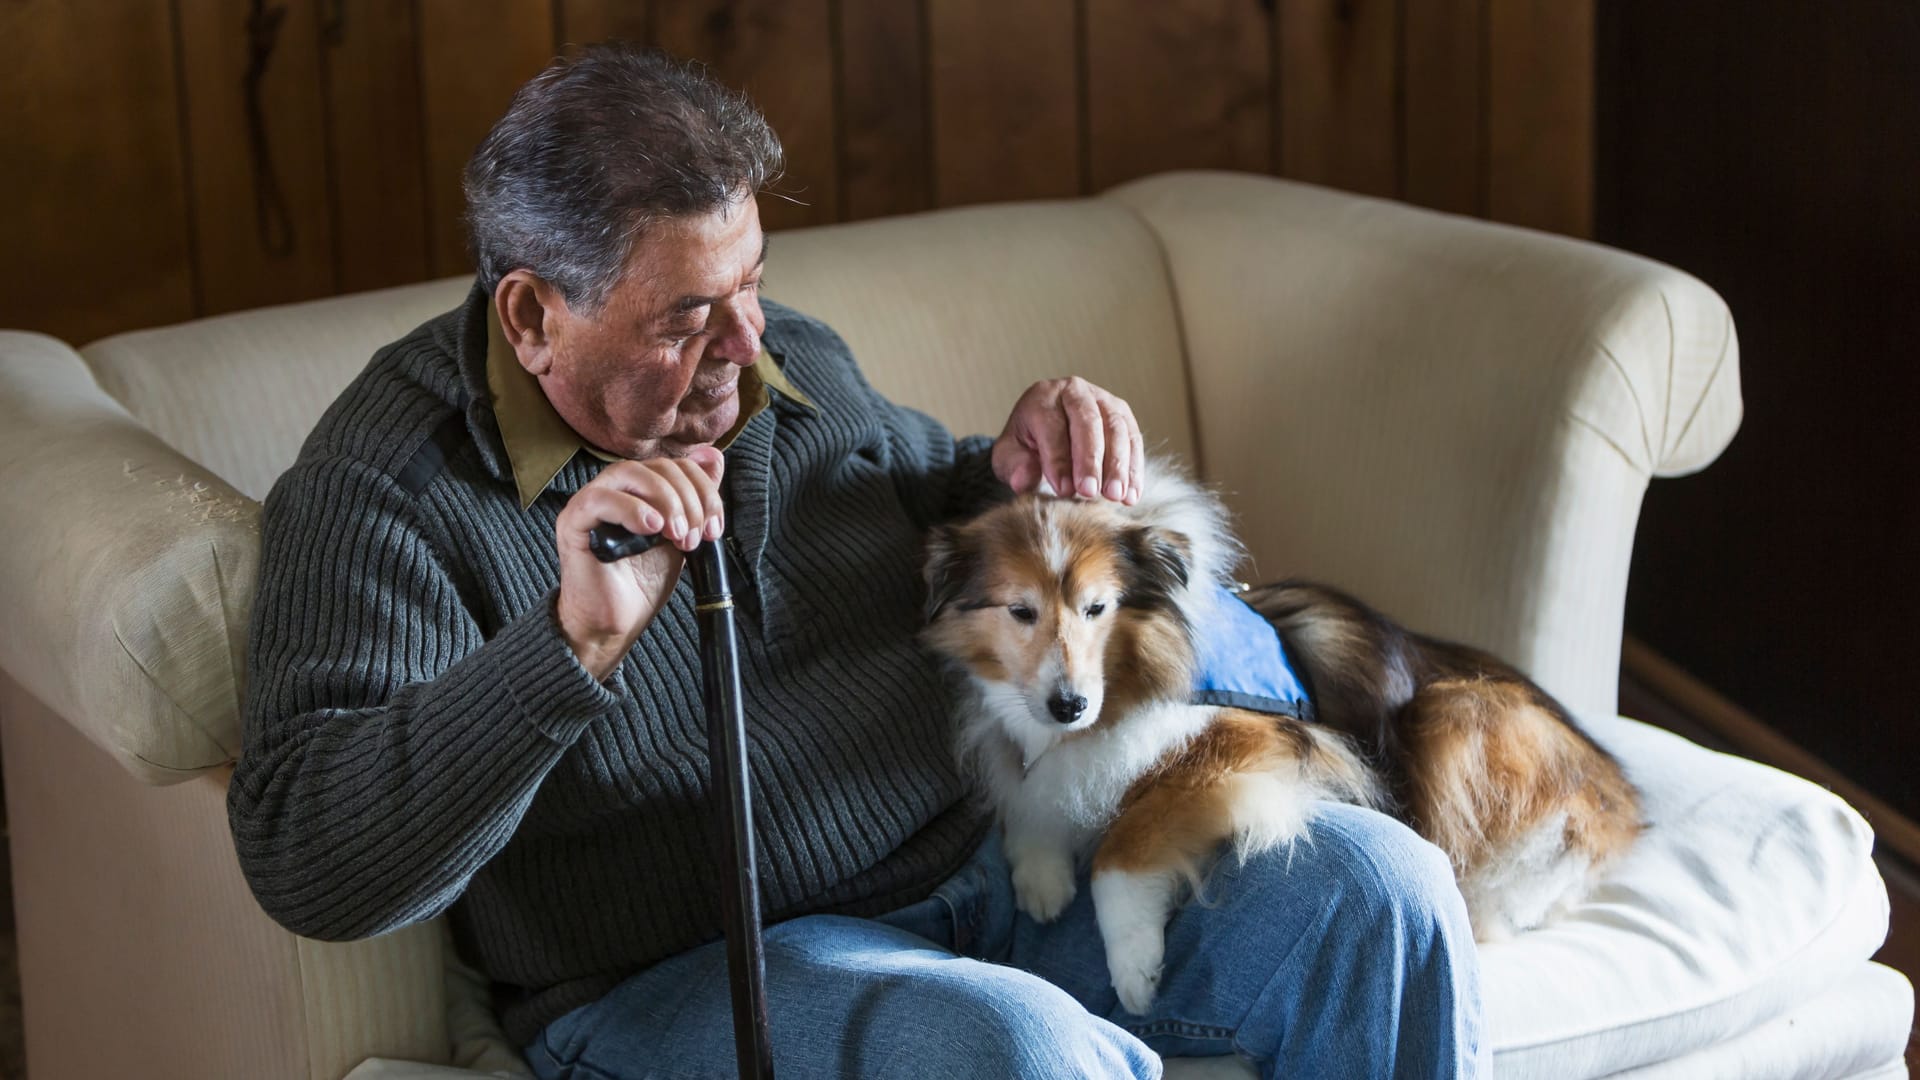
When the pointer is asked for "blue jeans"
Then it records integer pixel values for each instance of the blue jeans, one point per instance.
(1349, 956)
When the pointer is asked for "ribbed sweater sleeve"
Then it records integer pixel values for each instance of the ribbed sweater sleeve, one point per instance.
(389, 752)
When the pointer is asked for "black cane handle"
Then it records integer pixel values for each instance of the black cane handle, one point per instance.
(611, 543)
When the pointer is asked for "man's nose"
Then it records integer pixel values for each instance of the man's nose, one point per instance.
(738, 342)
(1066, 706)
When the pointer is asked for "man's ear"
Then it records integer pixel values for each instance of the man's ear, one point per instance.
(950, 567)
(530, 313)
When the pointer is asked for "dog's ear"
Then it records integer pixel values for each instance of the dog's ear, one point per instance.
(1158, 564)
(951, 562)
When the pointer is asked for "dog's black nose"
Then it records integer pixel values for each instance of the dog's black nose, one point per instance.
(1066, 706)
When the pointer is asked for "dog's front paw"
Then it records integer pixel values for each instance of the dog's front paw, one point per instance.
(1135, 967)
(1136, 950)
(1132, 910)
(1043, 887)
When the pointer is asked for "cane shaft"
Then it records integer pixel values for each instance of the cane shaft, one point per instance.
(733, 800)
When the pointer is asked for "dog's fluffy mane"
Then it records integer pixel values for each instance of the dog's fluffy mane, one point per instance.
(1172, 502)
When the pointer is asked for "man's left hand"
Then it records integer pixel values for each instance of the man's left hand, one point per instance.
(1079, 438)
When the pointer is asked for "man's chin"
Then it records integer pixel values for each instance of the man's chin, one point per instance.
(702, 429)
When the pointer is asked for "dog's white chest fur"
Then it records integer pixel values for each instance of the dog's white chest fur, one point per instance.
(1077, 782)
(1054, 798)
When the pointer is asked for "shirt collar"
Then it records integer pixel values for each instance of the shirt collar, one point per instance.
(539, 443)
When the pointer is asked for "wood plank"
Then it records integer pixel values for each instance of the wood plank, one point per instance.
(370, 67)
(587, 22)
(1770, 150)
(263, 232)
(474, 55)
(884, 149)
(1444, 102)
(1540, 120)
(94, 173)
(780, 52)
(1183, 84)
(1004, 82)
(1339, 93)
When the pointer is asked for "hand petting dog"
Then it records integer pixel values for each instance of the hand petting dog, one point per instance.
(1078, 438)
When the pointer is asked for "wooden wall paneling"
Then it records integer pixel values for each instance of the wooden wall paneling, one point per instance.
(1769, 149)
(1339, 93)
(474, 55)
(262, 227)
(1183, 84)
(1443, 84)
(93, 175)
(1540, 114)
(587, 22)
(1004, 82)
(780, 52)
(884, 153)
(370, 69)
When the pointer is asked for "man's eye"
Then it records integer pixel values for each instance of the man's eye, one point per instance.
(1094, 611)
(1021, 613)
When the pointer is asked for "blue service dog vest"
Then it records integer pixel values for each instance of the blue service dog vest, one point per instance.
(1242, 663)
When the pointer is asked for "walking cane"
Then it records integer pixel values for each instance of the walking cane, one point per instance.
(727, 756)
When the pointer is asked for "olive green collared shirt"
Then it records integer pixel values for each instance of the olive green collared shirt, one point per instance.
(539, 443)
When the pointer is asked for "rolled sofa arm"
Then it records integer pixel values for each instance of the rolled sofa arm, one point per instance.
(126, 574)
(1453, 418)
(126, 570)
(143, 952)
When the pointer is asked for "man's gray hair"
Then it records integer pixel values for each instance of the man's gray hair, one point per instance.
(596, 148)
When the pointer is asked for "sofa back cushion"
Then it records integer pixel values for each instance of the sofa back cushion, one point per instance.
(953, 312)
(956, 312)
(239, 393)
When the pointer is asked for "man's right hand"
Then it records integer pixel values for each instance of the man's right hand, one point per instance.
(603, 607)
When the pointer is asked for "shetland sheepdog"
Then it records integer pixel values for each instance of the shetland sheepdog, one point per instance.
(1072, 627)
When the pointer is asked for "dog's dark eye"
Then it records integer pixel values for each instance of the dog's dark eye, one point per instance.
(1094, 611)
(1021, 612)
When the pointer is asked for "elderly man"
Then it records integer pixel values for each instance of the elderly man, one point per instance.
(453, 705)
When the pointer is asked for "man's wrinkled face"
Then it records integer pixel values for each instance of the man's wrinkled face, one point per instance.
(656, 371)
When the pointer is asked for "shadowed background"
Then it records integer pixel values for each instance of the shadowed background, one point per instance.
(171, 159)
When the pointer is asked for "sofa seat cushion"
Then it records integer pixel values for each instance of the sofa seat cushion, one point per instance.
(1857, 1029)
(1750, 890)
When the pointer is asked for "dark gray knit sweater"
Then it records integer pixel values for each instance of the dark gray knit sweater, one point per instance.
(419, 737)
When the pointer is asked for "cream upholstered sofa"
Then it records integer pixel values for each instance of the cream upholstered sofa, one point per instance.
(1453, 418)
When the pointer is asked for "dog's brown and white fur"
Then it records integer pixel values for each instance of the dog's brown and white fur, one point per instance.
(1069, 622)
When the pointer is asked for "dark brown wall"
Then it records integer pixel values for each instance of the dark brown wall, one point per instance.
(149, 179)
(1772, 148)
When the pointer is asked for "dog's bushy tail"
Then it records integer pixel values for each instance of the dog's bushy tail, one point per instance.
(1432, 714)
